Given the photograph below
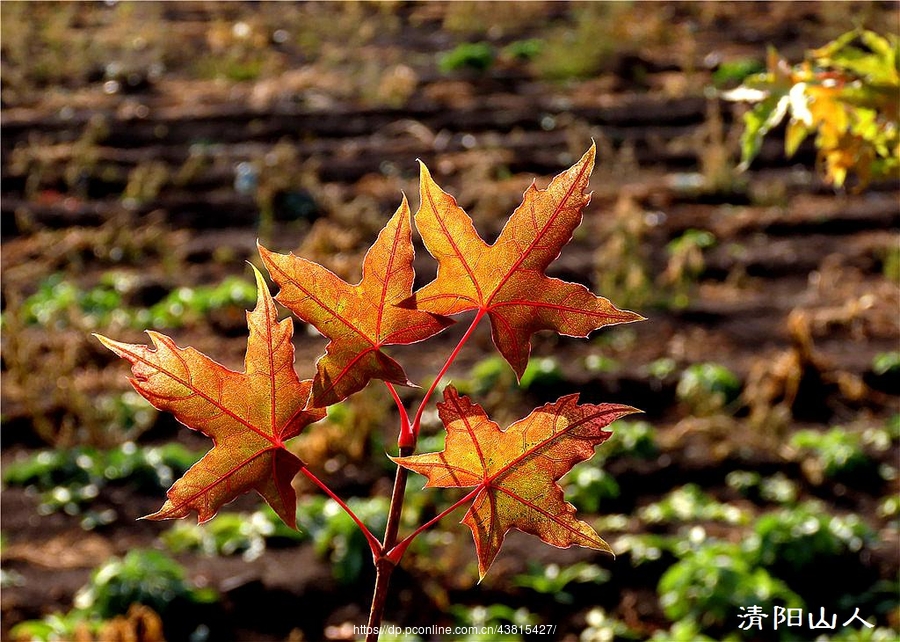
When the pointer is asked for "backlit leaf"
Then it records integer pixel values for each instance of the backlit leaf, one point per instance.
(359, 319)
(516, 470)
(248, 415)
(506, 280)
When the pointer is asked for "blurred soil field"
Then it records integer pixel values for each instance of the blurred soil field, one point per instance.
(147, 146)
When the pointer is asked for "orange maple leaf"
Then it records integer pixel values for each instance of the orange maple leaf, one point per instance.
(359, 319)
(506, 280)
(515, 471)
(248, 415)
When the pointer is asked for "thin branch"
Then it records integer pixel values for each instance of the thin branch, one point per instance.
(384, 567)
(418, 418)
(374, 544)
(406, 438)
(396, 552)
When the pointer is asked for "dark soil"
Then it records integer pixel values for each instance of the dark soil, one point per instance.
(795, 295)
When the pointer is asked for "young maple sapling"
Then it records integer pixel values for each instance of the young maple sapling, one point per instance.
(513, 474)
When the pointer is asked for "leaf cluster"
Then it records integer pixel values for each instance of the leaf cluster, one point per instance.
(513, 473)
(846, 92)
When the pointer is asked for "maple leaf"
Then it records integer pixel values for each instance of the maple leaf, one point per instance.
(506, 280)
(248, 415)
(359, 319)
(516, 470)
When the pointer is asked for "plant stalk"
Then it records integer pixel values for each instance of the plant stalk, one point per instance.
(384, 566)
(384, 563)
(417, 421)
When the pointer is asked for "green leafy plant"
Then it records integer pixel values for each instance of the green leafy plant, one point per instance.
(524, 49)
(689, 503)
(711, 578)
(601, 627)
(511, 475)
(632, 439)
(544, 371)
(336, 537)
(777, 488)
(886, 362)
(807, 534)
(837, 453)
(507, 623)
(707, 388)
(552, 580)
(71, 480)
(60, 303)
(735, 71)
(846, 92)
(231, 533)
(589, 486)
(146, 578)
(686, 263)
(477, 56)
(143, 577)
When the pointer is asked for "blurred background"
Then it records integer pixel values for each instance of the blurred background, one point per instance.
(147, 146)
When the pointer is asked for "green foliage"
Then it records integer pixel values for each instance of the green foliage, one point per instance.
(687, 631)
(837, 453)
(711, 580)
(69, 480)
(689, 240)
(476, 618)
(230, 534)
(662, 368)
(493, 373)
(864, 634)
(630, 439)
(708, 387)
(52, 628)
(477, 56)
(889, 507)
(57, 298)
(778, 488)
(336, 536)
(890, 264)
(886, 363)
(689, 503)
(646, 547)
(552, 580)
(600, 363)
(807, 535)
(524, 49)
(601, 627)
(734, 71)
(583, 49)
(59, 303)
(686, 263)
(488, 374)
(185, 305)
(540, 372)
(141, 577)
(587, 487)
(846, 92)
(892, 426)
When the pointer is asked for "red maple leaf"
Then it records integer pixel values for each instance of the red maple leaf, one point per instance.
(506, 280)
(359, 319)
(249, 415)
(516, 470)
